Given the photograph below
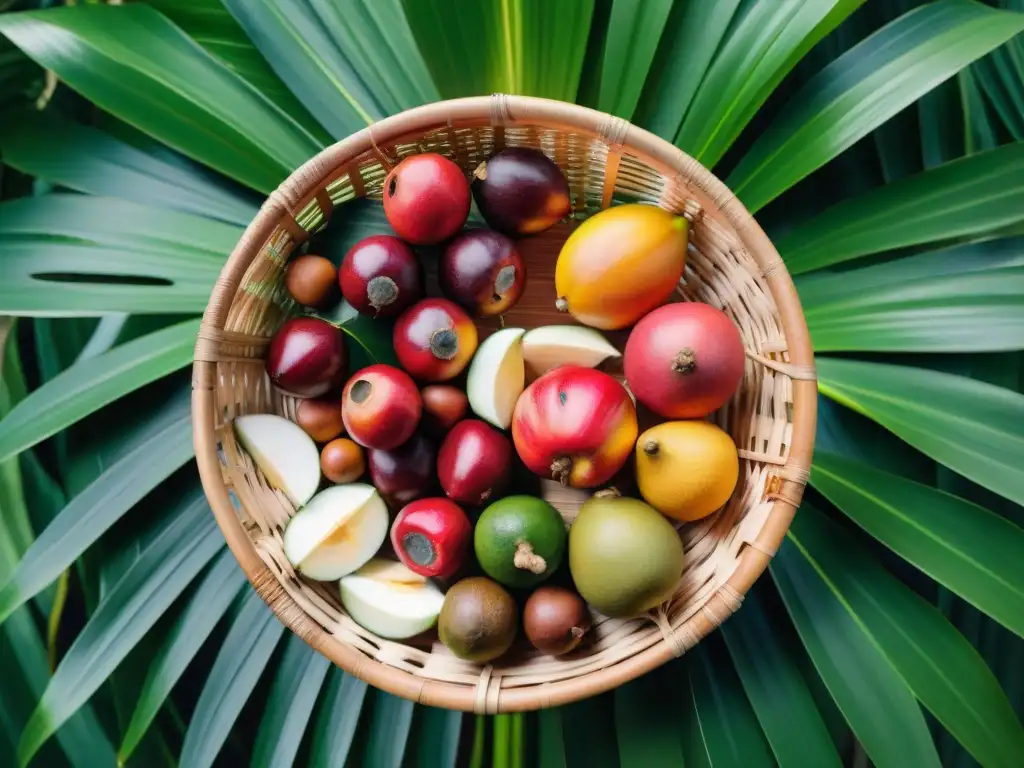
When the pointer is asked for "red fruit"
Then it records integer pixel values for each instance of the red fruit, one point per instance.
(575, 425)
(307, 357)
(443, 406)
(426, 199)
(520, 191)
(684, 361)
(475, 462)
(431, 536)
(405, 473)
(482, 271)
(381, 407)
(380, 276)
(434, 340)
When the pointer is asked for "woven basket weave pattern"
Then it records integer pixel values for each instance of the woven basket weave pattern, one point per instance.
(731, 265)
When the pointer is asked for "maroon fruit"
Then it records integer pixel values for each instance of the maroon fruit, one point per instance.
(520, 191)
(555, 620)
(426, 199)
(307, 357)
(443, 406)
(431, 536)
(684, 360)
(434, 340)
(475, 462)
(381, 407)
(380, 276)
(482, 271)
(310, 280)
(405, 473)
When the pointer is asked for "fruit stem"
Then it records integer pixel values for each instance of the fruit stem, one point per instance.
(481, 171)
(381, 291)
(561, 304)
(685, 361)
(607, 493)
(560, 469)
(444, 343)
(527, 559)
(651, 447)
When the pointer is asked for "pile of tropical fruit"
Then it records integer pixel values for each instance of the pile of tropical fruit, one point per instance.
(401, 476)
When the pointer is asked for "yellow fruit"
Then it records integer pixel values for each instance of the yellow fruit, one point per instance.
(620, 264)
(686, 469)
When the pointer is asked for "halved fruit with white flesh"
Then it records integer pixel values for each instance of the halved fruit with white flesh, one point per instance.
(549, 346)
(337, 532)
(497, 377)
(391, 601)
(285, 454)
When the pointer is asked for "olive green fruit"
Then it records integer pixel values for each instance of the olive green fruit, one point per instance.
(519, 540)
(625, 558)
(478, 620)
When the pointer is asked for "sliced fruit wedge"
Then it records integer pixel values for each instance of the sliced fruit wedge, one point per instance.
(390, 600)
(285, 454)
(337, 531)
(549, 346)
(497, 377)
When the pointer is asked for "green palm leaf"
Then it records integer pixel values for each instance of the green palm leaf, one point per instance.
(619, 68)
(86, 159)
(953, 200)
(247, 649)
(91, 384)
(388, 733)
(728, 726)
(963, 546)
(164, 445)
(936, 662)
(297, 680)
(875, 702)
(209, 24)
(437, 733)
(972, 427)
(647, 712)
(965, 299)
(764, 42)
(206, 606)
(135, 64)
(337, 720)
(303, 55)
(692, 33)
(533, 47)
(163, 570)
(769, 673)
(866, 86)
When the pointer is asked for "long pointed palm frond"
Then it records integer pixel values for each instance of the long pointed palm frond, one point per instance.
(879, 142)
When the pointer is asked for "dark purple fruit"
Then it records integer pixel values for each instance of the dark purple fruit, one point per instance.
(520, 191)
(405, 473)
(307, 357)
(482, 271)
(380, 276)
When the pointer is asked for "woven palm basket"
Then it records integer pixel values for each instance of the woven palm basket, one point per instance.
(731, 265)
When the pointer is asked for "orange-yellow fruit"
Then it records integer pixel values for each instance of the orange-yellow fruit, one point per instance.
(342, 461)
(686, 469)
(620, 264)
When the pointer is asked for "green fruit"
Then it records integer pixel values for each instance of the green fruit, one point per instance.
(625, 558)
(519, 540)
(478, 620)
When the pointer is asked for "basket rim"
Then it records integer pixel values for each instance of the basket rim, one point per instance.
(504, 110)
